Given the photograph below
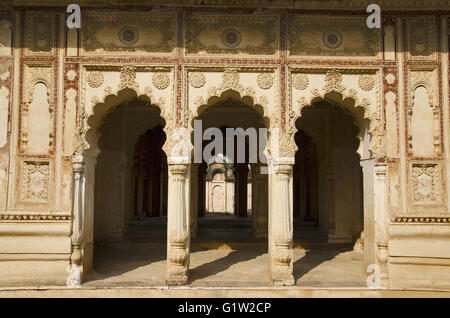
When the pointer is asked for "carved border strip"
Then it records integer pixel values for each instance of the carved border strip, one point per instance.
(225, 60)
(70, 84)
(421, 219)
(7, 83)
(34, 217)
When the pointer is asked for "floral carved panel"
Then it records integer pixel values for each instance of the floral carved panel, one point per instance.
(426, 183)
(128, 33)
(40, 33)
(35, 179)
(231, 34)
(6, 29)
(421, 38)
(332, 36)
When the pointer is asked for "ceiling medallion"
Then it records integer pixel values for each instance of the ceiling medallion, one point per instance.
(332, 39)
(128, 35)
(231, 38)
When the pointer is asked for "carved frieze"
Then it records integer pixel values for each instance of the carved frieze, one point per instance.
(332, 36)
(421, 38)
(40, 33)
(34, 217)
(420, 220)
(211, 34)
(426, 181)
(122, 33)
(6, 29)
(35, 176)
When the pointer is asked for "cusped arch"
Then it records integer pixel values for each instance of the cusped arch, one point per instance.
(32, 86)
(350, 101)
(216, 169)
(425, 84)
(88, 123)
(366, 121)
(246, 96)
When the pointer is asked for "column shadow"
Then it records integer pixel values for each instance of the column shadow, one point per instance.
(222, 264)
(144, 245)
(316, 255)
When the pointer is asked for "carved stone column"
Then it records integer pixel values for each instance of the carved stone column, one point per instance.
(164, 185)
(381, 221)
(259, 204)
(177, 226)
(78, 166)
(281, 234)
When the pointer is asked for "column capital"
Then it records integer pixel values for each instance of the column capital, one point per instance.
(282, 160)
(380, 169)
(78, 163)
(283, 169)
(178, 168)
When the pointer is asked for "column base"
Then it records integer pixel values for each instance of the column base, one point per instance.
(177, 282)
(282, 276)
(284, 282)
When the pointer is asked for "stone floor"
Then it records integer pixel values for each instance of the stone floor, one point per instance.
(223, 255)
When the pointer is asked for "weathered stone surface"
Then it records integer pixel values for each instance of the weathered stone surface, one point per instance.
(96, 132)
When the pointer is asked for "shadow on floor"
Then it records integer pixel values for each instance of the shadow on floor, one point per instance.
(143, 245)
(222, 264)
(116, 259)
(141, 258)
(317, 254)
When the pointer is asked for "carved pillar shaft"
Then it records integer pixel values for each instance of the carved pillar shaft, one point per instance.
(78, 166)
(281, 223)
(178, 236)
(164, 185)
(78, 175)
(381, 221)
